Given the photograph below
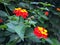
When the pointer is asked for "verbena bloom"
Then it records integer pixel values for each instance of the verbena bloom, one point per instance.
(46, 13)
(40, 32)
(20, 12)
(1, 20)
(58, 9)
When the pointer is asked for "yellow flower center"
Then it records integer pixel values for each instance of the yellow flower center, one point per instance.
(40, 28)
(22, 10)
(45, 30)
(17, 8)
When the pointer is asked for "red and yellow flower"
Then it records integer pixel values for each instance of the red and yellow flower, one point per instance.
(40, 32)
(21, 12)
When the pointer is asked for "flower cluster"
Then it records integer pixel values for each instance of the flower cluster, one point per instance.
(40, 32)
(20, 12)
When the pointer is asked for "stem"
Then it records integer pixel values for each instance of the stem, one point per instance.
(25, 36)
(6, 10)
(19, 19)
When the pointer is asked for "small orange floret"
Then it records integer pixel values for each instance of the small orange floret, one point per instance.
(58, 9)
(46, 13)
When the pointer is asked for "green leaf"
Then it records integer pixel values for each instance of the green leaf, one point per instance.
(13, 18)
(21, 4)
(2, 39)
(1, 0)
(4, 1)
(49, 41)
(20, 30)
(55, 42)
(13, 37)
(28, 31)
(34, 3)
(10, 27)
(29, 34)
(25, 5)
(11, 7)
(13, 42)
(43, 16)
(33, 38)
(45, 4)
(3, 14)
(3, 26)
(54, 12)
(32, 22)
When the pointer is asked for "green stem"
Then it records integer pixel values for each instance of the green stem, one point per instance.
(6, 10)
(19, 20)
(25, 36)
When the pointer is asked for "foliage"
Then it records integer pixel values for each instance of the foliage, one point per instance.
(16, 30)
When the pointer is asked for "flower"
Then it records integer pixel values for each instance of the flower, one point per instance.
(1, 20)
(40, 32)
(58, 9)
(20, 12)
(46, 13)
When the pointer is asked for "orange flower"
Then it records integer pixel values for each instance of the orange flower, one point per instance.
(46, 13)
(58, 9)
(40, 32)
(20, 12)
(1, 20)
